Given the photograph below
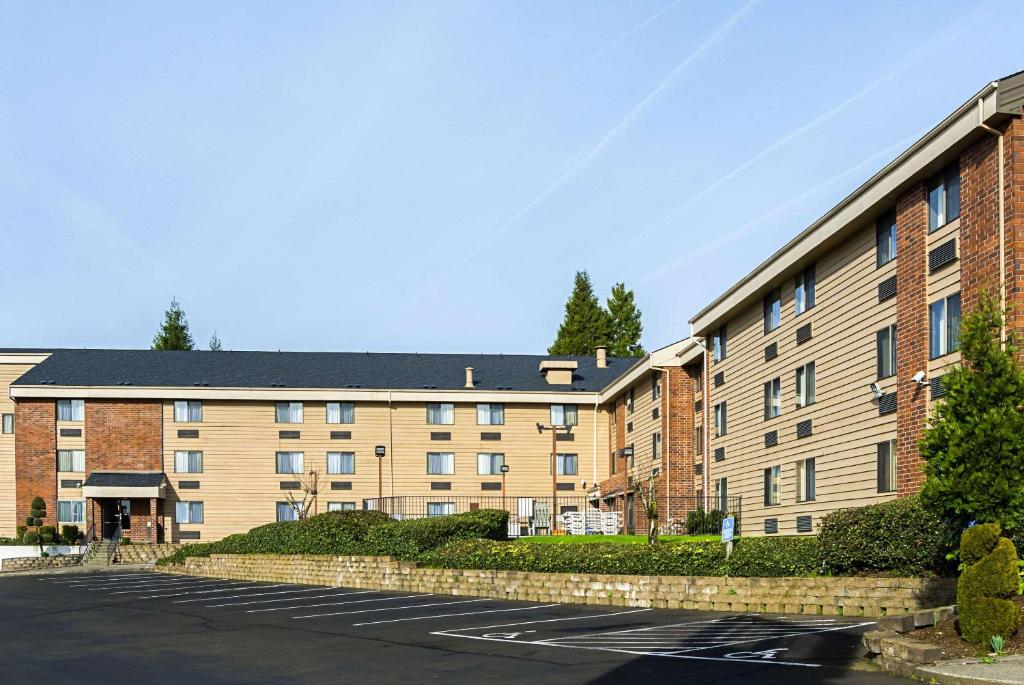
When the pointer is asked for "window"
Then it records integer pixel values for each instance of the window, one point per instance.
(886, 346)
(289, 412)
(656, 386)
(698, 380)
(341, 462)
(718, 345)
(772, 485)
(489, 464)
(772, 311)
(440, 508)
(944, 197)
(630, 400)
(440, 463)
(886, 466)
(290, 462)
(341, 412)
(71, 460)
(564, 415)
(71, 410)
(885, 238)
(188, 411)
(188, 462)
(805, 480)
(720, 420)
(721, 501)
(189, 512)
(805, 385)
(944, 326)
(341, 506)
(490, 414)
(567, 464)
(804, 295)
(698, 440)
(772, 398)
(70, 511)
(656, 445)
(286, 512)
(440, 413)
(8, 423)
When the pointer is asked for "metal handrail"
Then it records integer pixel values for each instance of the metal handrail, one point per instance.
(90, 535)
(115, 540)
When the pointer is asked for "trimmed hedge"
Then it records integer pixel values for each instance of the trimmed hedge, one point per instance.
(352, 533)
(899, 537)
(987, 585)
(754, 557)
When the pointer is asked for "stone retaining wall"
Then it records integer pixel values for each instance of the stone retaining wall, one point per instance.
(39, 563)
(825, 595)
(144, 554)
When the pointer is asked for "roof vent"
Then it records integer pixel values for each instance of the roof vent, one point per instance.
(558, 371)
(601, 353)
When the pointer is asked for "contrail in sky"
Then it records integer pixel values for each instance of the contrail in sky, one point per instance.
(955, 30)
(583, 161)
(741, 230)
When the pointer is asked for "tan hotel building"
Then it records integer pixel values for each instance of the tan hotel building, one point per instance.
(803, 389)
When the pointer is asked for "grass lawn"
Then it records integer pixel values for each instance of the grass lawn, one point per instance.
(612, 539)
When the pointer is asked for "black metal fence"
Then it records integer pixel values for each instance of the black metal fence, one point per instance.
(532, 515)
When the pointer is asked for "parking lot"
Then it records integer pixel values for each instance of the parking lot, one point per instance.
(164, 628)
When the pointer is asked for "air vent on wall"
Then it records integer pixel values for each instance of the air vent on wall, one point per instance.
(887, 404)
(803, 429)
(719, 453)
(698, 469)
(564, 437)
(188, 485)
(719, 379)
(565, 486)
(771, 351)
(887, 289)
(441, 486)
(771, 439)
(656, 412)
(490, 486)
(290, 485)
(71, 483)
(803, 524)
(490, 436)
(771, 526)
(189, 535)
(70, 432)
(341, 435)
(937, 388)
(697, 406)
(629, 427)
(288, 435)
(438, 435)
(803, 334)
(341, 485)
(942, 255)
(188, 433)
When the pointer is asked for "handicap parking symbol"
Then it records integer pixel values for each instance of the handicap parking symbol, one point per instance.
(767, 654)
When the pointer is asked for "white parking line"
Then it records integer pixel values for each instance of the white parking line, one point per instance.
(546, 620)
(468, 613)
(280, 599)
(256, 594)
(141, 583)
(161, 589)
(411, 606)
(186, 591)
(93, 576)
(96, 582)
(136, 586)
(329, 604)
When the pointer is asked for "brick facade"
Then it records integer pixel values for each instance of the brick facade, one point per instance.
(123, 435)
(678, 448)
(35, 457)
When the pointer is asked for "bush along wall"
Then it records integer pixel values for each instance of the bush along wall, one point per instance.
(987, 584)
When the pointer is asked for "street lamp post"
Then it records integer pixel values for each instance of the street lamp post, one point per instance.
(380, 451)
(504, 470)
(554, 428)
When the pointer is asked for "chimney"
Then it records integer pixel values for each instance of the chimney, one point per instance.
(602, 357)
(469, 377)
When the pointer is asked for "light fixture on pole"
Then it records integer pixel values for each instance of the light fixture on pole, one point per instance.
(380, 451)
(504, 471)
(554, 428)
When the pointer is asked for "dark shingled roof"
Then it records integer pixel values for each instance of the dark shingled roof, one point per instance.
(125, 479)
(338, 370)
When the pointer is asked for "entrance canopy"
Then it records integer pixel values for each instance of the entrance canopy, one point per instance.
(126, 484)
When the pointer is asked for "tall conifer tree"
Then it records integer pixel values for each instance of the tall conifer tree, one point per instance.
(626, 326)
(586, 324)
(174, 333)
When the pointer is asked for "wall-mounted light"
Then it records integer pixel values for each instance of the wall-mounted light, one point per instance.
(876, 391)
(919, 378)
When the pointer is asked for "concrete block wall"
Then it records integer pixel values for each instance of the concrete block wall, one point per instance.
(827, 596)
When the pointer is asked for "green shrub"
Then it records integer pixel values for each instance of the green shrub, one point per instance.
(9, 541)
(700, 521)
(900, 537)
(48, 534)
(70, 534)
(20, 532)
(986, 586)
(407, 539)
(775, 557)
(30, 537)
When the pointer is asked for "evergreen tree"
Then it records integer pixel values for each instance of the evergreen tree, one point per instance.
(586, 324)
(215, 343)
(626, 326)
(174, 334)
(974, 444)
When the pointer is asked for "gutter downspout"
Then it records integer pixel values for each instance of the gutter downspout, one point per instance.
(597, 399)
(1002, 218)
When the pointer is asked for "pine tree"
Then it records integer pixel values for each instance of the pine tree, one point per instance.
(174, 334)
(586, 324)
(215, 343)
(974, 444)
(626, 326)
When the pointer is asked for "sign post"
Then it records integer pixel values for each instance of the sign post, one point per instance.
(728, 527)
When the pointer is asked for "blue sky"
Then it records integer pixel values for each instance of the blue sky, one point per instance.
(428, 176)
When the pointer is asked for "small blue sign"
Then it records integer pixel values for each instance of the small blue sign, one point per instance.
(728, 526)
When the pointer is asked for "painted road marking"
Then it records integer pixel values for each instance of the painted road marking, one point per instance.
(280, 599)
(143, 583)
(161, 589)
(94, 576)
(254, 594)
(673, 640)
(410, 606)
(205, 591)
(468, 613)
(330, 604)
